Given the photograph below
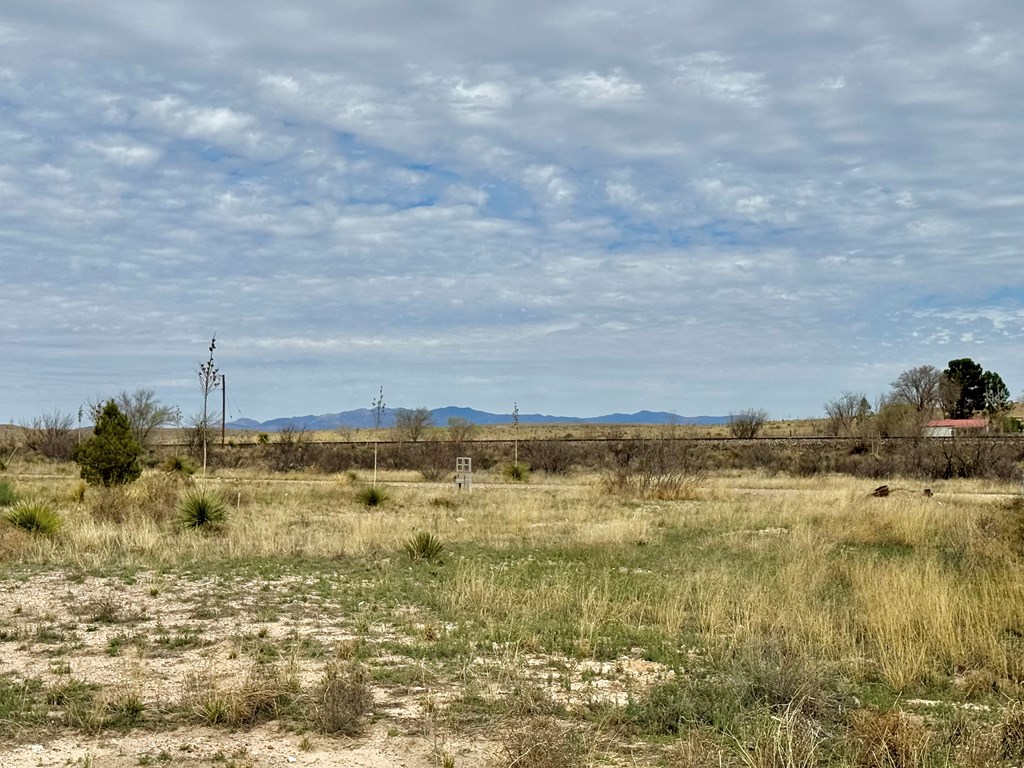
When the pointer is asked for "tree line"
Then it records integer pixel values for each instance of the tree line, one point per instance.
(963, 390)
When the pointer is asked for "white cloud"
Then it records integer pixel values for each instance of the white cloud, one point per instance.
(661, 202)
(600, 89)
(710, 74)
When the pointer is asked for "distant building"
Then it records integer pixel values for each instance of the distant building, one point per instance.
(953, 427)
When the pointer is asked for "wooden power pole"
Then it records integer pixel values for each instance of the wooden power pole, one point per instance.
(223, 405)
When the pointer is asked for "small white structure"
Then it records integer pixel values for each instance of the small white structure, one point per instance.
(463, 473)
(954, 427)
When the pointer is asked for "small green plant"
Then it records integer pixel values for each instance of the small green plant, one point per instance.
(179, 465)
(8, 496)
(263, 439)
(111, 456)
(36, 517)
(202, 510)
(517, 472)
(424, 546)
(373, 496)
(126, 710)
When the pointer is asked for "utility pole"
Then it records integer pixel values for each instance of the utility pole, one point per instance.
(223, 405)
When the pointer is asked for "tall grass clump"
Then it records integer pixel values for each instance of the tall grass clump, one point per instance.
(8, 496)
(202, 510)
(653, 469)
(542, 742)
(343, 699)
(36, 517)
(267, 693)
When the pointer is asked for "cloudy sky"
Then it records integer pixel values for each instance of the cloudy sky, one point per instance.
(583, 206)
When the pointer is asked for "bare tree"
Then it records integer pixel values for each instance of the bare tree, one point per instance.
(949, 394)
(145, 413)
(846, 413)
(460, 430)
(411, 423)
(50, 435)
(917, 387)
(746, 424)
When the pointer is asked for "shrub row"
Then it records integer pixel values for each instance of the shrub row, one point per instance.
(923, 458)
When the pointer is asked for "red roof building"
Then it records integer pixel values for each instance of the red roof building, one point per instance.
(951, 427)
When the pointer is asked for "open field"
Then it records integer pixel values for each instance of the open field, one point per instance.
(752, 620)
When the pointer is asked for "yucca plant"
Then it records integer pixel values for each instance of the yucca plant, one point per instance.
(36, 517)
(179, 465)
(517, 472)
(202, 510)
(424, 546)
(372, 496)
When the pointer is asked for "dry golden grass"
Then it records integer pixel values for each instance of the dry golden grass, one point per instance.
(907, 592)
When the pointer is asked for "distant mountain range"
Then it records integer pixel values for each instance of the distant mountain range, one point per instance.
(362, 418)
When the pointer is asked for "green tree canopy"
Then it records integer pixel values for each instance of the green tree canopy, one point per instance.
(970, 389)
(111, 455)
(967, 376)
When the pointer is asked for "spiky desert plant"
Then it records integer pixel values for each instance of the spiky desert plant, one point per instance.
(179, 465)
(517, 472)
(202, 510)
(36, 517)
(372, 496)
(424, 546)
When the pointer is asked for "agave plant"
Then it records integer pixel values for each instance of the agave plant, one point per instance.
(202, 510)
(372, 496)
(36, 517)
(424, 546)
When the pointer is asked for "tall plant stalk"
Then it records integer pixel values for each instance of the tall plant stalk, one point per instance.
(515, 432)
(209, 380)
(378, 417)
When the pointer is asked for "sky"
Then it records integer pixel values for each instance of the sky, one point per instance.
(580, 207)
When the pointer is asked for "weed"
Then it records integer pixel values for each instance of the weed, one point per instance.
(648, 469)
(36, 517)
(343, 699)
(78, 490)
(788, 739)
(1011, 732)
(541, 742)
(779, 676)
(8, 497)
(424, 546)
(266, 694)
(671, 707)
(517, 472)
(890, 739)
(126, 710)
(372, 496)
(202, 510)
